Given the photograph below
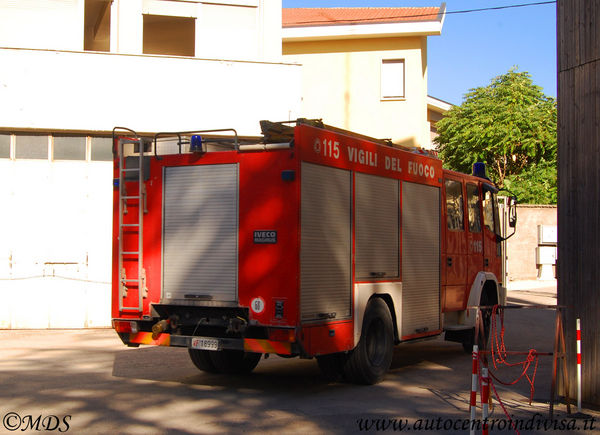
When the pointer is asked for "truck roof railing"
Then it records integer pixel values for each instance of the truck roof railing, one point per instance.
(275, 135)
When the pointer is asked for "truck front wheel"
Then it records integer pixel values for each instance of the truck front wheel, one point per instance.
(372, 357)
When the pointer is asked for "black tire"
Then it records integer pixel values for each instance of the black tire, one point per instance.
(202, 360)
(332, 366)
(371, 358)
(234, 361)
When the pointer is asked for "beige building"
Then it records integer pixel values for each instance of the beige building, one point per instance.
(436, 110)
(74, 69)
(365, 69)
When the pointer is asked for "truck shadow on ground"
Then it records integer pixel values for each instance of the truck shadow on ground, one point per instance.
(276, 373)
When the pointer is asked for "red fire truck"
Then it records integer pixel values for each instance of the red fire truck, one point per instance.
(309, 241)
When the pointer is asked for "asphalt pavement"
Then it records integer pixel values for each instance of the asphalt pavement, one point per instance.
(86, 381)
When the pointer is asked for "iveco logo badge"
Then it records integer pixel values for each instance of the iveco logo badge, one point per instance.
(265, 237)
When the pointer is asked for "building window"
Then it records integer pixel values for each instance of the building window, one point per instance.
(31, 147)
(4, 146)
(96, 36)
(392, 79)
(175, 36)
(69, 148)
(102, 149)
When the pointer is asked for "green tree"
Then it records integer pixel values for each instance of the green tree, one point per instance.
(511, 126)
(535, 185)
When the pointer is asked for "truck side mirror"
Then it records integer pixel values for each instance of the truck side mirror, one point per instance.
(512, 212)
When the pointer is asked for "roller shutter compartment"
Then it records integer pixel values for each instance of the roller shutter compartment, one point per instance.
(325, 253)
(200, 233)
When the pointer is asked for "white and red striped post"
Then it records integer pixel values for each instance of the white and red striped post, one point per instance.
(578, 366)
(474, 382)
(485, 397)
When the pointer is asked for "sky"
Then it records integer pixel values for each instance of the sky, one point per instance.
(478, 46)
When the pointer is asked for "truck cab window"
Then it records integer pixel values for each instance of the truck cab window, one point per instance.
(474, 209)
(454, 205)
(490, 212)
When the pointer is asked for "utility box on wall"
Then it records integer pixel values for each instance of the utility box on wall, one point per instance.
(547, 235)
(545, 253)
(536, 227)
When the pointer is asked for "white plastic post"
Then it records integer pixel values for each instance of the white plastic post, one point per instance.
(485, 397)
(578, 365)
(474, 382)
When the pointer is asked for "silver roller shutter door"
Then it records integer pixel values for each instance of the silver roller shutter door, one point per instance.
(420, 258)
(325, 253)
(200, 232)
(377, 226)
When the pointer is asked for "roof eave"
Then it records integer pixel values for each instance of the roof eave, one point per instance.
(356, 31)
(438, 105)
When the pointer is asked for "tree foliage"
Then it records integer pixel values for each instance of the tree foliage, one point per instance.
(535, 185)
(511, 126)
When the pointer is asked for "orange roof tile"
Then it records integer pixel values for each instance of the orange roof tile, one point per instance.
(301, 17)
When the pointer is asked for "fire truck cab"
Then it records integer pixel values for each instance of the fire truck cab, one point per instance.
(309, 241)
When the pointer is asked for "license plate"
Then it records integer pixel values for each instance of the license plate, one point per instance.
(205, 343)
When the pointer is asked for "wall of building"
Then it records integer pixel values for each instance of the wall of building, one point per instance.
(341, 83)
(521, 248)
(97, 91)
(227, 29)
(578, 188)
(55, 253)
(232, 29)
(42, 24)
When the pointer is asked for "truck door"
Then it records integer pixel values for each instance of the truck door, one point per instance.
(491, 228)
(474, 234)
(454, 263)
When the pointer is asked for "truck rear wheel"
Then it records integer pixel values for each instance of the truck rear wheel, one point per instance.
(234, 361)
(202, 360)
(372, 357)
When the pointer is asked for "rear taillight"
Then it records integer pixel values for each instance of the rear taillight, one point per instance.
(287, 335)
(127, 326)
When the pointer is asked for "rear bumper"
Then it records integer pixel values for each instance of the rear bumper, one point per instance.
(246, 344)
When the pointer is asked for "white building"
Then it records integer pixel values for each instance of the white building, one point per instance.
(74, 69)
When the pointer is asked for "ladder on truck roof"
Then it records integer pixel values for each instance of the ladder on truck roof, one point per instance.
(131, 228)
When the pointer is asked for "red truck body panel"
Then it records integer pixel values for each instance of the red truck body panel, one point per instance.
(269, 274)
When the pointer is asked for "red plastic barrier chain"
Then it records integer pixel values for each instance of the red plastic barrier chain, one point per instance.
(512, 423)
(499, 356)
